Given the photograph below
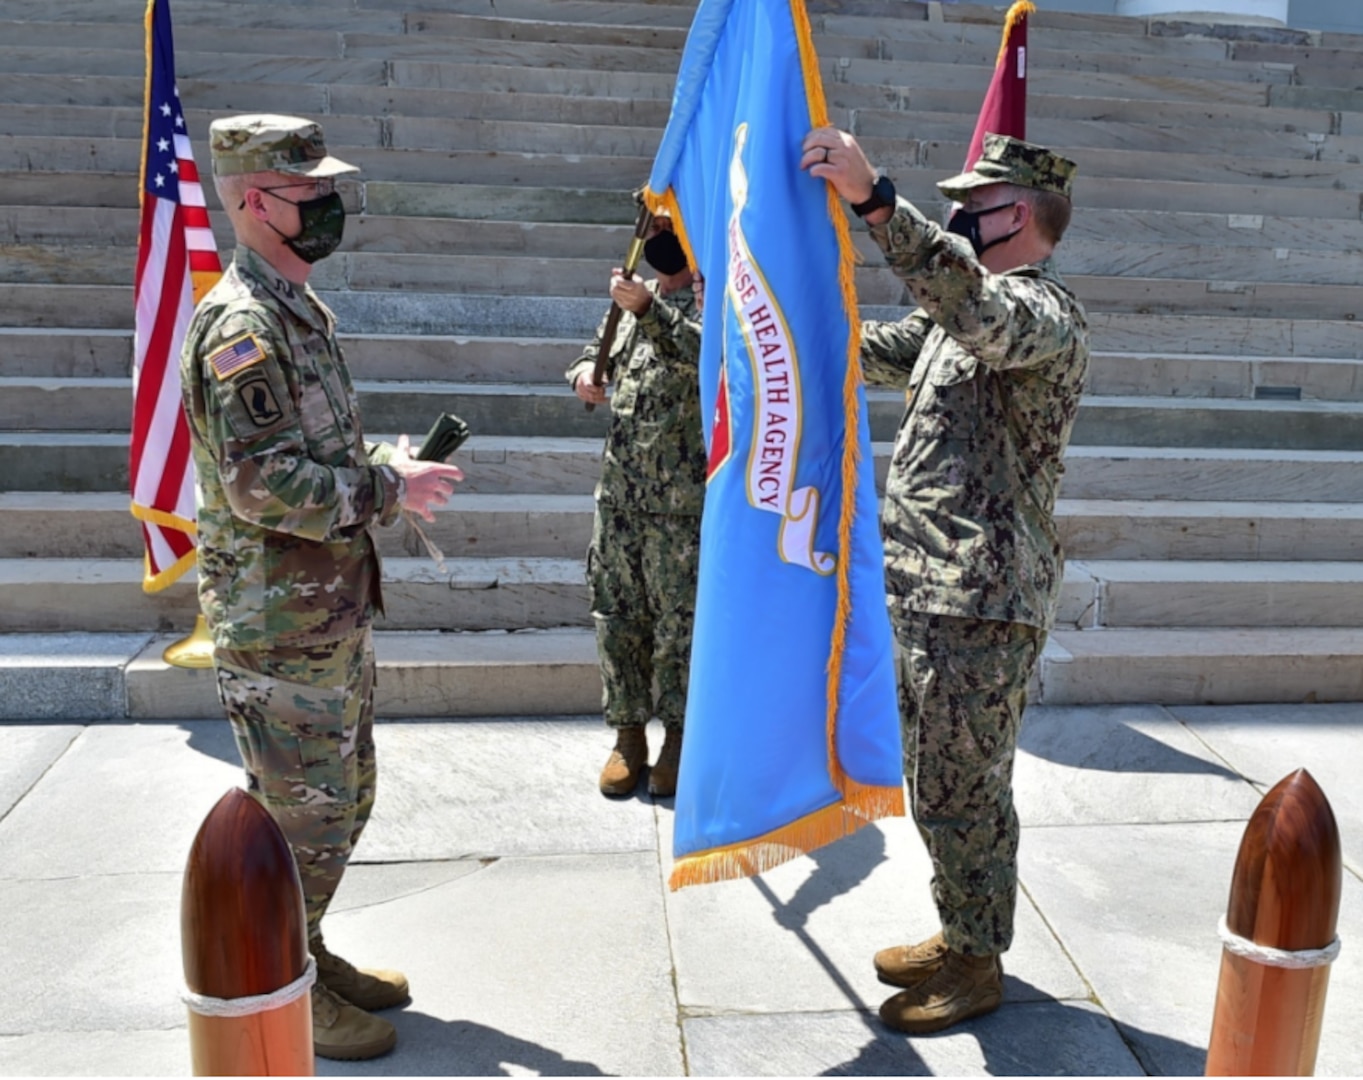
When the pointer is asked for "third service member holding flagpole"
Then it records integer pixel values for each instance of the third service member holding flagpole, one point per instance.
(994, 359)
(645, 547)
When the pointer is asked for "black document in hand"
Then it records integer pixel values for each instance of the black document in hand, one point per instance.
(446, 436)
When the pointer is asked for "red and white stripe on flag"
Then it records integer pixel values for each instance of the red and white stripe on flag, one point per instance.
(177, 262)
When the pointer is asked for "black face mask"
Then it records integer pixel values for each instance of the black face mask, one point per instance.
(321, 226)
(967, 223)
(665, 254)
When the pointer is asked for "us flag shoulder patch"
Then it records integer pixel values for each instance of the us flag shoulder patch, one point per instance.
(236, 355)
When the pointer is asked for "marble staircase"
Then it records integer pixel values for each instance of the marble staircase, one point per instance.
(1214, 492)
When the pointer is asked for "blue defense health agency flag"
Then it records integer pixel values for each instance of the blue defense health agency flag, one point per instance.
(792, 729)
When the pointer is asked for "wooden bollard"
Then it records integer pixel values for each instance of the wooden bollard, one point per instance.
(1279, 936)
(244, 939)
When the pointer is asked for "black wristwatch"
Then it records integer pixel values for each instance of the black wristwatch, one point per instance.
(881, 195)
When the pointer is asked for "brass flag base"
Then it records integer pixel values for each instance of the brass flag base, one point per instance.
(194, 651)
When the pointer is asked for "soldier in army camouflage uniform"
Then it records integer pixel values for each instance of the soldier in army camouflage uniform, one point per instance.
(645, 547)
(288, 495)
(994, 360)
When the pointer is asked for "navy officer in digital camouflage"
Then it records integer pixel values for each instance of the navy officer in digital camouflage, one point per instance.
(994, 361)
(289, 494)
(644, 555)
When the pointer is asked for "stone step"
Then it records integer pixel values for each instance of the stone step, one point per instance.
(238, 67)
(408, 313)
(1108, 134)
(60, 353)
(1168, 472)
(262, 14)
(1130, 165)
(52, 525)
(1307, 284)
(85, 462)
(550, 96)
(455, 19)
(219, 51)
(630, 127)
(1202, 666)
(1092, 232)
(76, 405)
(31, 37)
(1156, 594)
(105, 595)
(606, 201)
(91, 676)
(1221, 335)
(1168, 273)
(1247, 202)
(518, 152)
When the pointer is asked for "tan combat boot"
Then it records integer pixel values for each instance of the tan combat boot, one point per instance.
(367, 989)
(962, 987)
(627, 760)
(908, 965)
(662, 778)
(342, 1032)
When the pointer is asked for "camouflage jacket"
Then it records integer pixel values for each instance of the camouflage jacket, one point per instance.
(654, 458)
(994, 365)
(287, 488)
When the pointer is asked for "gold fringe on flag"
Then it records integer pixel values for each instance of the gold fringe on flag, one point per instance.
(861, 806)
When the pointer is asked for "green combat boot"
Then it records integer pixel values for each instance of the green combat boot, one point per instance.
(662, 778)
(342, 1032)
(369, 990)
(908, 965)
(962, 987)
(627, 761)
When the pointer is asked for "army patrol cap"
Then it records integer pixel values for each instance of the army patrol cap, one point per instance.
(263, 142)
(1006, 160)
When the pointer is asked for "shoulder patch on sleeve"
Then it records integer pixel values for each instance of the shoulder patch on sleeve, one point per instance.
(237, 355)
(259, 401)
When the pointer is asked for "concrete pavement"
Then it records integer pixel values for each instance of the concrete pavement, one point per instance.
(533, 918)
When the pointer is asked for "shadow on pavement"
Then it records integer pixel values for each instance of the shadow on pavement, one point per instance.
(213, 738)
(1160, 1055)
(1114, 747)
(1044, 1037)
(838, 868)
(428, 1046)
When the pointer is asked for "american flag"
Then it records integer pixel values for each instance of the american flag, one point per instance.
(177, 262)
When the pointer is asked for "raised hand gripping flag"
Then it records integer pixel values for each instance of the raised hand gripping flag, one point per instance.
(177, 262)
(792, 730)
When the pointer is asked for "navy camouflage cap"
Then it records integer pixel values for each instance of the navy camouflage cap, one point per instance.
(1006, 160)
(262, 142)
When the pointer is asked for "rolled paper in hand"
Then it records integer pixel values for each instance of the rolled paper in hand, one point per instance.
(446, 436)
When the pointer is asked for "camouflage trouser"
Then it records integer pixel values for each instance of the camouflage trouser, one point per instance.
(304, 724)
(642, 573)
(962, 690)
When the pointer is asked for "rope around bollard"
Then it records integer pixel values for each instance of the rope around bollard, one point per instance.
(1280, 958)
(259, 1003)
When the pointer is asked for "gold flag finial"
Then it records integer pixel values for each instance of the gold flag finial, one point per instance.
(1019, 11)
